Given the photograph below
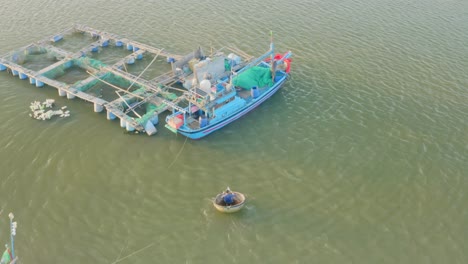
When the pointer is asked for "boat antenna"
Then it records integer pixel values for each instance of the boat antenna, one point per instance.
(272, 45)
(272, 56)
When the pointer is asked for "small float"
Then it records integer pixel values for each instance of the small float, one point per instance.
(229, 201)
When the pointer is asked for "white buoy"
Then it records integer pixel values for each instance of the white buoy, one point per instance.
(98, 108)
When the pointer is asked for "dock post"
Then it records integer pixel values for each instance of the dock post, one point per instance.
(129, 127)
(123, 123)
(70, 96)
(98, 108)
(110, 115)
(61, 92)
(22, 76)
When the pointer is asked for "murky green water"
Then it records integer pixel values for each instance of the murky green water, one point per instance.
(361, 158)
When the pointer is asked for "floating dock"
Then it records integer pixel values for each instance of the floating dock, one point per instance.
(79, 72)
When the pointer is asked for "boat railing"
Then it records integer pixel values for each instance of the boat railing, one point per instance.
(175, 106)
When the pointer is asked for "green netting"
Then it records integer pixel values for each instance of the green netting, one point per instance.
(255, 76)
(170, 96)
(85, 85)
(87, 63)
(5, 257)
(35, 50)
(150, 110)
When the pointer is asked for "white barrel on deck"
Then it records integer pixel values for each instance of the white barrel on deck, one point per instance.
(62, 92)
(70, 96)
(110, 115)
(98, 108)
(129, 127)
(123, 123)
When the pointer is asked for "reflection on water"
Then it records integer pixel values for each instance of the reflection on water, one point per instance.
(361, 157)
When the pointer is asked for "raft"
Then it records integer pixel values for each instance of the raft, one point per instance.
(220, 205)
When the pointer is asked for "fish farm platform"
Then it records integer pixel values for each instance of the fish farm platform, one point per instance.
(100, 68)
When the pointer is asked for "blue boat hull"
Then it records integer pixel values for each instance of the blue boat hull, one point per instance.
(197, 134)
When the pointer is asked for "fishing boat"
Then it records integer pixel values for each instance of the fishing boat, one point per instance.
(223, 89)
(238, 202)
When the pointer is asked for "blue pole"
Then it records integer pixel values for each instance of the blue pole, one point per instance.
(12, 235)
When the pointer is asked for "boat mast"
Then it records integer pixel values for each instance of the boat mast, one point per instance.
(272, 57)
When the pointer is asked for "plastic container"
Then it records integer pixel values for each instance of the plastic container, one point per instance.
(57, 38)
(203, 121)
(255, 92)
(278, 78)
(175, 122)
(234, 59)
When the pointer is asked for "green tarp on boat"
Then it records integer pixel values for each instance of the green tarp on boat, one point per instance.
(5, 257)
(255, 76)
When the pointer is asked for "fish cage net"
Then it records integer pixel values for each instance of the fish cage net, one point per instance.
(35, 57)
